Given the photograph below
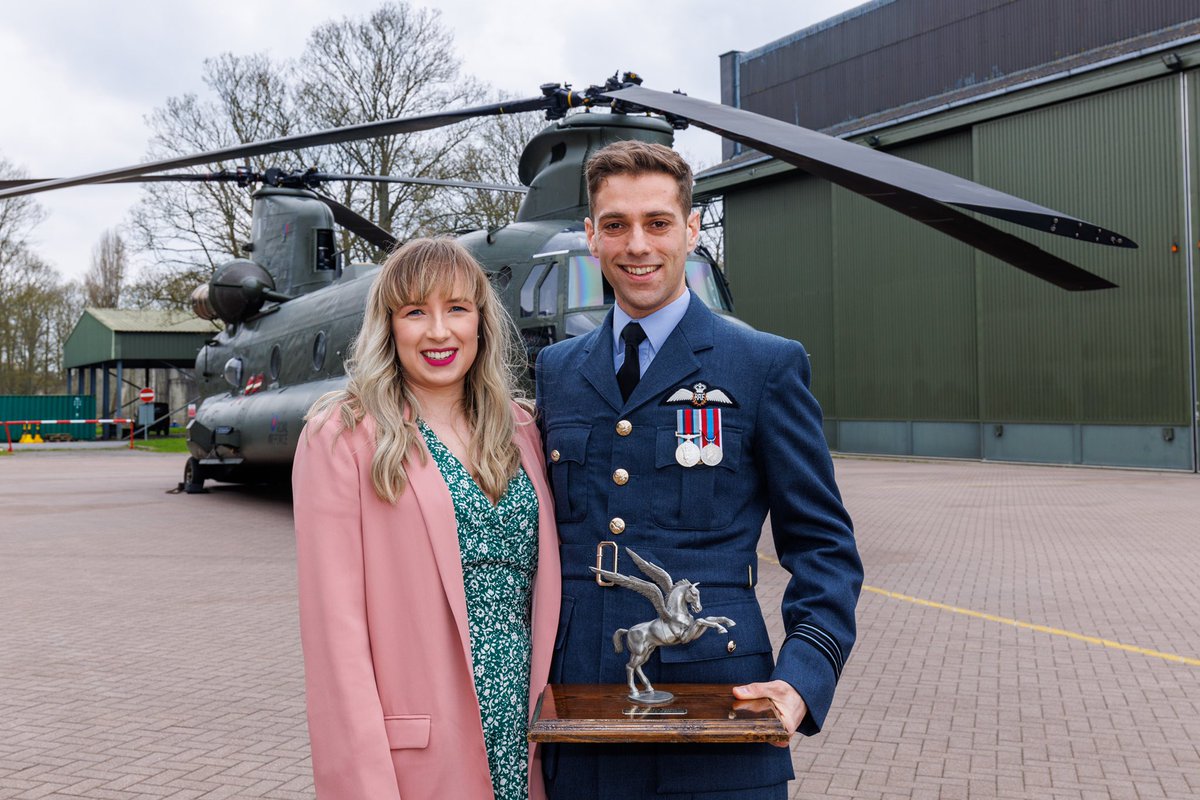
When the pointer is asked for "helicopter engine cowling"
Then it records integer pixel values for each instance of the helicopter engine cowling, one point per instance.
(236, 291)
(200, 305)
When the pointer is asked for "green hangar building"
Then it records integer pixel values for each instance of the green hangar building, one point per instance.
(922, 345)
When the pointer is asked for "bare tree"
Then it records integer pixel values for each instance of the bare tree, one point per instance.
(492, 156)
(39, 310)
(396, 62)
(18, 215)
(105, 278)
(33, 302)
(195, 227)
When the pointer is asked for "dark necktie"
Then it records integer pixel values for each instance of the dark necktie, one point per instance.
(631, 370)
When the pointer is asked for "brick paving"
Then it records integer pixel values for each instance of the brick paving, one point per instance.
(149, 646)
(938, 704)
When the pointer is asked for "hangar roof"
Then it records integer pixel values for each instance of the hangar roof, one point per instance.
(137, 338)
(888, 54)
(890, 64)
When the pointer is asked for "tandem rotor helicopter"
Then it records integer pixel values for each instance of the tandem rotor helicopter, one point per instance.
(291, 309)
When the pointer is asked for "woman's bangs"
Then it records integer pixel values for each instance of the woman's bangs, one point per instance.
(414, 279)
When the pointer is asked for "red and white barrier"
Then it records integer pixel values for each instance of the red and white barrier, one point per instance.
(113, 421)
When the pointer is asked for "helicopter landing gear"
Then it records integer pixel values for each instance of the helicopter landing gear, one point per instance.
(193, 477)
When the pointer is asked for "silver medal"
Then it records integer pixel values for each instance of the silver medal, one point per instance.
(687, 454)
(711, 454)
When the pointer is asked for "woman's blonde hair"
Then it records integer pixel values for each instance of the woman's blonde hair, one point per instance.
(377, 385)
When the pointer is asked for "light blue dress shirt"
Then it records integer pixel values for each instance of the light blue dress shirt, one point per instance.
(658, 327)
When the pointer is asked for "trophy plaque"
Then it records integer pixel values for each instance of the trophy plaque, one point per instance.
(642, 713)
(698, 713)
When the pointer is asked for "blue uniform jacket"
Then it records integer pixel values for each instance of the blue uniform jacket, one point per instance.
(613, 468)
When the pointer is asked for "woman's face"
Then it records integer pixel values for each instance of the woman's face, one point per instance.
(437, 340)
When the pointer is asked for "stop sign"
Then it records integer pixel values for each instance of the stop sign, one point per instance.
(146, 395)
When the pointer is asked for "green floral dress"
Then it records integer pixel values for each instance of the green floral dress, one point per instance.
(499, 557)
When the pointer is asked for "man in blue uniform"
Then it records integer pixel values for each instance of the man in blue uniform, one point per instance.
(674, 432)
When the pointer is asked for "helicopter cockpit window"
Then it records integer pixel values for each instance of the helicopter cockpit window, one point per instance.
(318, 353)
(529, 289)
(586, 285)
(589, 294)
(233, 372)
(703, 282)
(326, 251)
(548, 293)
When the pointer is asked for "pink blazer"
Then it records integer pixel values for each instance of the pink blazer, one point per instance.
(392, 711)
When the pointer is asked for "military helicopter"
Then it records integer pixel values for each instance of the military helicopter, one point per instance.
(291, 309)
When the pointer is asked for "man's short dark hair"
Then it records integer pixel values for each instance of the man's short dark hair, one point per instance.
(633, 157)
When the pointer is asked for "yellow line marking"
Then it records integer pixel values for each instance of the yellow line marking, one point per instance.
(1195, 662)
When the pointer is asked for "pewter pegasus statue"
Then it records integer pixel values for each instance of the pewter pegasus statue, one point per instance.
(675, 602)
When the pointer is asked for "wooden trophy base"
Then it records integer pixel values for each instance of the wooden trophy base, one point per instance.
(699, 713)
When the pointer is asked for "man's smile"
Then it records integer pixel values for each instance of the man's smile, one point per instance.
(640, 270)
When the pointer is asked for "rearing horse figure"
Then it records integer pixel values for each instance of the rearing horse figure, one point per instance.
(675, 602)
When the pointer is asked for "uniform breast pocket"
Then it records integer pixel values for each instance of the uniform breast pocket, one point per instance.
(694, 498)
(566, 451)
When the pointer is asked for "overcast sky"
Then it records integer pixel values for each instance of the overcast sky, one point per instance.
(80, 76)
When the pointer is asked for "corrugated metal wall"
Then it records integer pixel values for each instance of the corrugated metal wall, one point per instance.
(782, 267)
(1191, 96)
(1118, 356)
(91, 342)
(159, 346)
(54, 406)
(926, 330)
(905, 306)
(885, 305)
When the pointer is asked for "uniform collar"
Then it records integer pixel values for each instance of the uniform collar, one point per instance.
(658, 326)
(677, 360)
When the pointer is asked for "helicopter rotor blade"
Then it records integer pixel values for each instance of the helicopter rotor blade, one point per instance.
(491, 187)
(914, 190)
(358, 224)
(306, 178)
(182, 177)
(366, 130)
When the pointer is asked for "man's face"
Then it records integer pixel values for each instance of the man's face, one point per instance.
(642, 238)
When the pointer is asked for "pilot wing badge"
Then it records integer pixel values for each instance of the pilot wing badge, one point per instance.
(698, 426)
(700, 395)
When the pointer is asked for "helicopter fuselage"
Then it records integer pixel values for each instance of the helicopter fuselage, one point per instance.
(291, 315)
(259, 377)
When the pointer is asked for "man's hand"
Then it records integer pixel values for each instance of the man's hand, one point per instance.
(787, 701)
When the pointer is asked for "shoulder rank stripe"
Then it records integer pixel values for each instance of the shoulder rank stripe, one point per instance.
(823, 642)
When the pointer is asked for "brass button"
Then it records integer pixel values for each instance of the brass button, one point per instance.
(617, 525)
(731, 646)
(621, 477)
(624, 427)
(555, 455)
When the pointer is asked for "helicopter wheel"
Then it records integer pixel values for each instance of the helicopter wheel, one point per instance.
(193, 477)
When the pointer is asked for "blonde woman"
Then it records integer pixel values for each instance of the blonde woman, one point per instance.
(427, 553)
